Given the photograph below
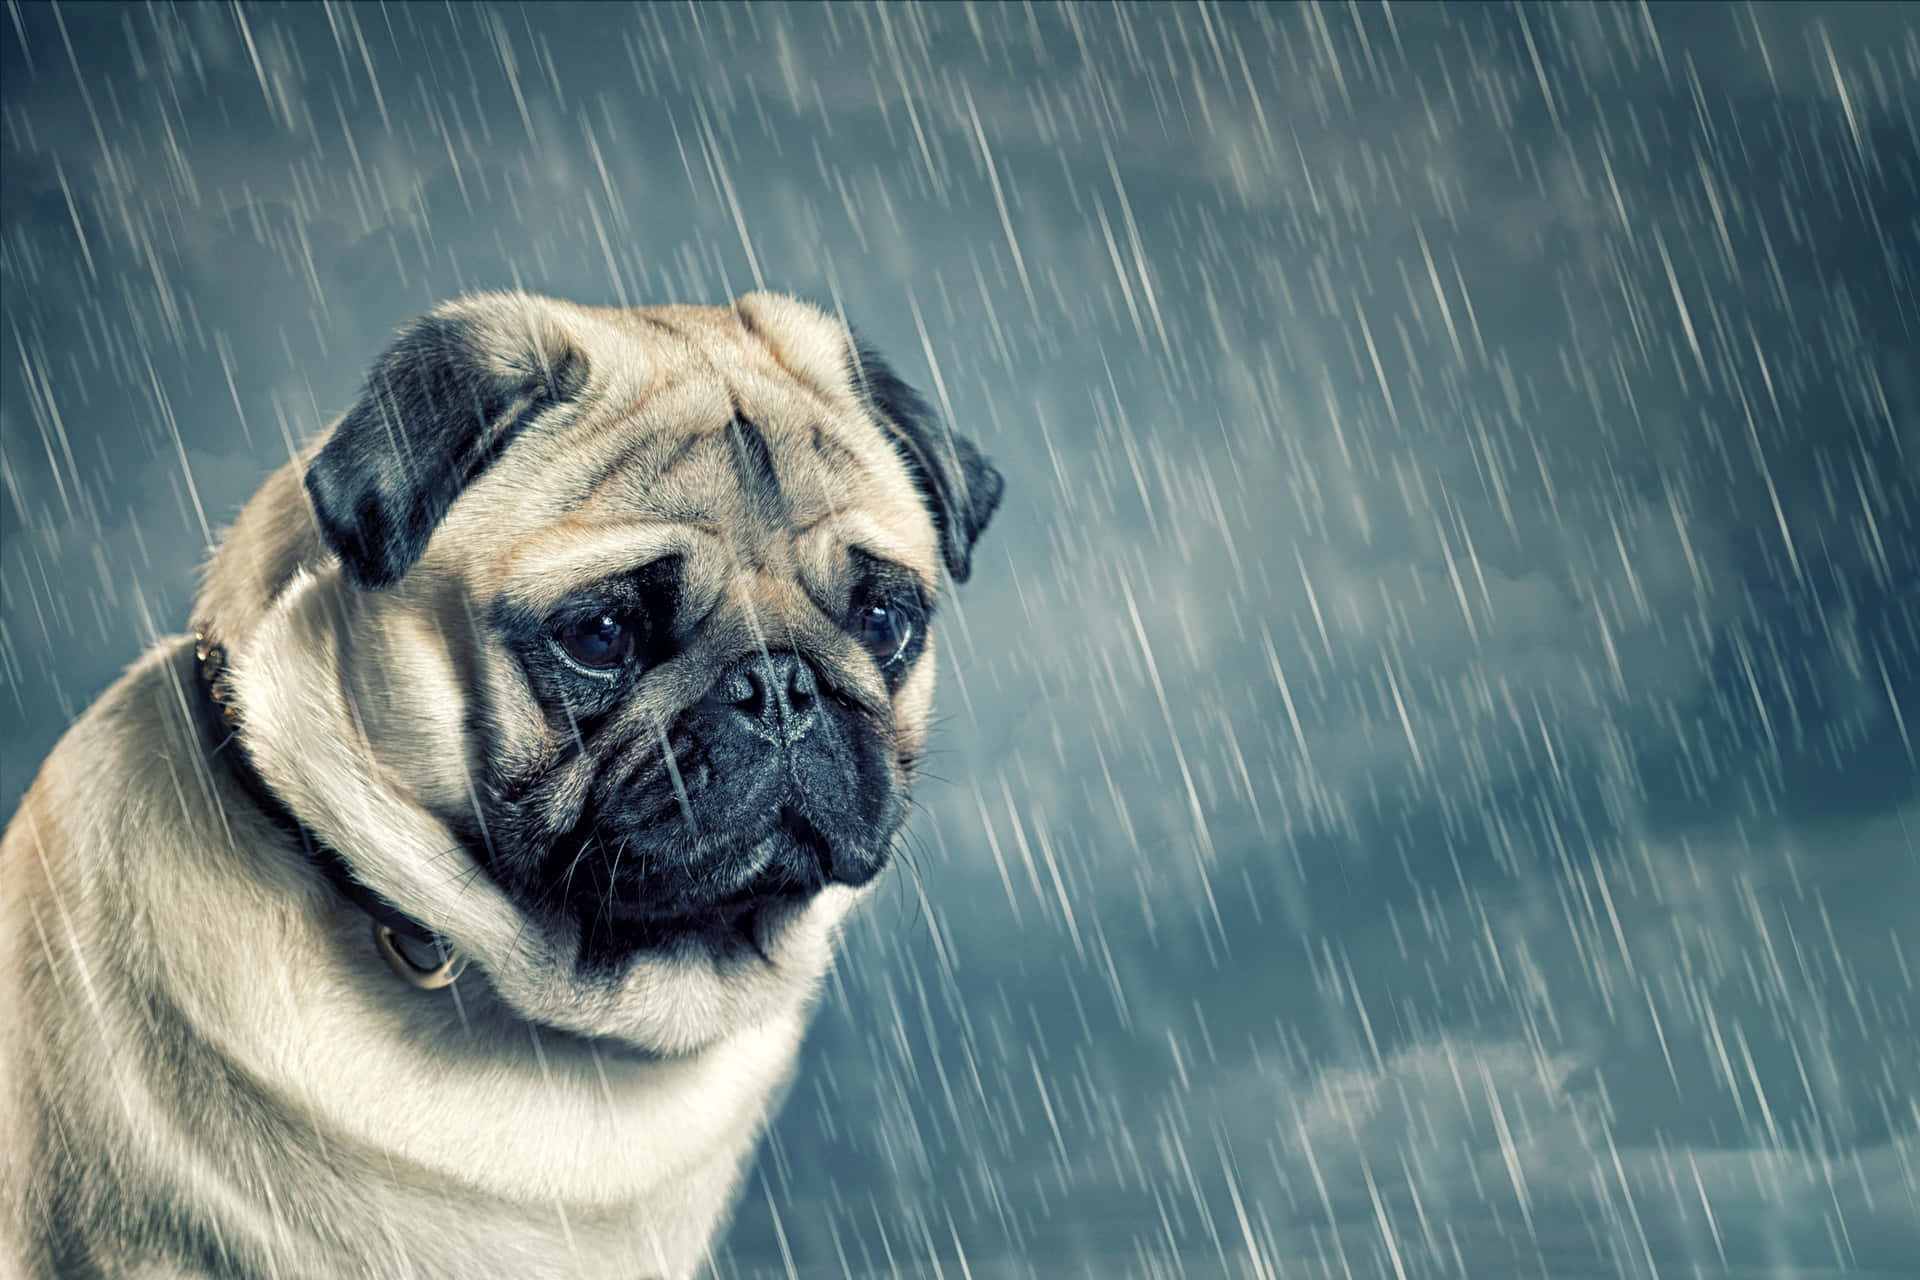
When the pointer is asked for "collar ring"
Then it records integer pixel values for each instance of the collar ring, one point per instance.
(427, 979)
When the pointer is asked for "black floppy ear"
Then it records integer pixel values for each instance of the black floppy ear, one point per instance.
(959, 485)
(440, 405)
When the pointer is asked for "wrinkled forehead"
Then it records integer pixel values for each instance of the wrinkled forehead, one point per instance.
(732, 434)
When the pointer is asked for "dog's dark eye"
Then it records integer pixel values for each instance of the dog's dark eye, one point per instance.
(599, 643)
(884, 630)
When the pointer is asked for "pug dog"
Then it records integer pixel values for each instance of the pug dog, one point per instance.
(451, 904)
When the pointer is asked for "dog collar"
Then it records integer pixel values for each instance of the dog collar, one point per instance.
(415, 952)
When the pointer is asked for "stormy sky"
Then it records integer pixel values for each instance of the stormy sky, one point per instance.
(1427, 778)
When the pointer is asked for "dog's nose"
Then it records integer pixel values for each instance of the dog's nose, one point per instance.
(774, 693)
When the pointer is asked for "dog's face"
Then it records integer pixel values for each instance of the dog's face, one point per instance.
(640, 615)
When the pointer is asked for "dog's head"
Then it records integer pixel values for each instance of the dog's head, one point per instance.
(629, 655)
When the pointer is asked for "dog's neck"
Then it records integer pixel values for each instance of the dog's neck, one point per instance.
(271, 541)
(414, 951)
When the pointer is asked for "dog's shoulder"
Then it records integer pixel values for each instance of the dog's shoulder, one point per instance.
(115, 766)
(114, 792)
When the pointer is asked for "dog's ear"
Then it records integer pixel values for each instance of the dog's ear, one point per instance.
(960, 486)
(440, 405)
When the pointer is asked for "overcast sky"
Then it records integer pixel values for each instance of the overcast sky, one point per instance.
(1427, 783)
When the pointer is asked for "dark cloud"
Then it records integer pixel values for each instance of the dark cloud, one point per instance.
(1431, 773)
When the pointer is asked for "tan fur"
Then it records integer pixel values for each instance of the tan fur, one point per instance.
(200, 1051)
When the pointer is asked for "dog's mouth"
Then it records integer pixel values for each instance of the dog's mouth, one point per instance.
(810, 854)
(782, 869)
(730, 859)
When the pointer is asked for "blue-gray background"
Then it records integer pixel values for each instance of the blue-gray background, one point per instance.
(1429, 782)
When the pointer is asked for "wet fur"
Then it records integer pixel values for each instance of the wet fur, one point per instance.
(206, 1067)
